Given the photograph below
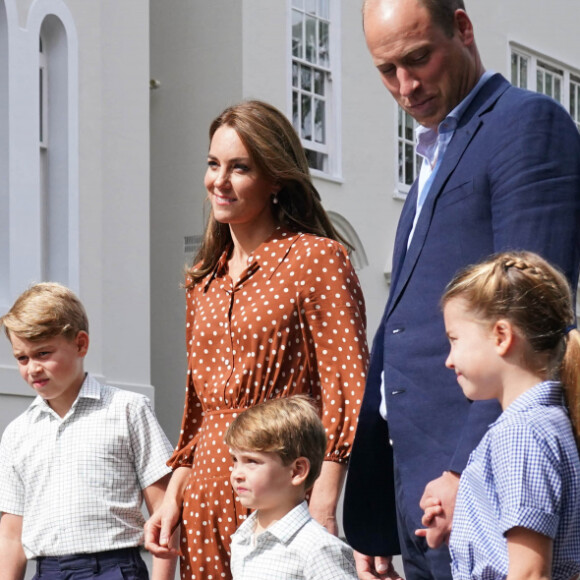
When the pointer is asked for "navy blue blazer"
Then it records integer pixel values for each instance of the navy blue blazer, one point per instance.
(510, 179)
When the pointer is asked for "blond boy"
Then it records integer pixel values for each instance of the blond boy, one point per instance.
(277, 448)
(76, 465)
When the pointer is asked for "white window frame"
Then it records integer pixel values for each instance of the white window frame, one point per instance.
(331, 149)
(539, 64)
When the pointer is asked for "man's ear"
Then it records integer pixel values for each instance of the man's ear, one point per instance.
(503, 335)
(464, 27)
(82, 342)
(300, 470)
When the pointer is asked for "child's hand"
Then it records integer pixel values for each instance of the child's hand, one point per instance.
(438, 503)
(432, 509)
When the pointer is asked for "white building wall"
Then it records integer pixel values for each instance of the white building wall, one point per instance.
(141, 155)
(108, 180)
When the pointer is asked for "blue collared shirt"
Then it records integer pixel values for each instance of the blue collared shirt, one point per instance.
(432, 144)
(524, 473)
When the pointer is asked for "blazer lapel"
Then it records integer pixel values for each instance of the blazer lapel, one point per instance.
(469, 124)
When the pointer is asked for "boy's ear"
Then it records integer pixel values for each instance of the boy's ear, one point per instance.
(82, 343)
(503, 334)
(300, 470)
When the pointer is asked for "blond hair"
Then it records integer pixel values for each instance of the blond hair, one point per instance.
(288, 426)
(536, 298)
(44, 311)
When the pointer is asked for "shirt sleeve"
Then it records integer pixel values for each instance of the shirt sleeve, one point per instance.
(11, 488)
(527, 479)
(333, 561)
(333, 320)
(192, 413)
(149, 444)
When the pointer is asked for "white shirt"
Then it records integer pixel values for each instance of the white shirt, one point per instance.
(77, 480)
(295, 547)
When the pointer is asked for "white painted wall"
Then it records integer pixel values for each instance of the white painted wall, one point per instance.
(108, 124)
(141, 154)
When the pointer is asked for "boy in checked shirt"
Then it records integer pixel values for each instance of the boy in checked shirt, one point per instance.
(77, 464)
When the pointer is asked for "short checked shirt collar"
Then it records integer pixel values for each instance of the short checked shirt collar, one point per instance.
(90, 389)
(293, 547)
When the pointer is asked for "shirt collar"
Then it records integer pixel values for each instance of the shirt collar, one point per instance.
(427, 138)
(546, 393)
(90, 389)
(283, 530)
(270, 253)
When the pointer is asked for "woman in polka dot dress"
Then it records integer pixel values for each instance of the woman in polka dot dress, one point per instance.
(274, 308)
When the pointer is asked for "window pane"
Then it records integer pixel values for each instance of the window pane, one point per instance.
(298, 4)
(319, 82)
(306, 124)
(297, 39)
(539, 81)
(548, 85)
(295, 111)
(306, 78)
(523, 73)
(316, 160)
(311, 6)
(401, 113)
(557, 89)
(295, 70)
(323, 9)
(573, 101)
(409, 154)
(409, 133)
(515, 70)
(323, 44)
(401, 164)
(310, 39)
(319, 121)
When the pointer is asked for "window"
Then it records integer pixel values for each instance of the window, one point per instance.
(408, 162)
(532, 71)
(314, 78)
(519, 70)
(549, 81)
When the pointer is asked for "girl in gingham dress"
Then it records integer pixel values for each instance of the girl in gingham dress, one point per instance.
(510, 322)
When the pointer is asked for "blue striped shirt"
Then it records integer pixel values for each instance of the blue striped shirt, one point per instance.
(525, 472)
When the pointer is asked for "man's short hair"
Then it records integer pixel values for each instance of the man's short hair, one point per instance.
(442, 12)
(287, 426)
(44, 311)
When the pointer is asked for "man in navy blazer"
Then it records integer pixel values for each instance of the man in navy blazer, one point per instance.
(501, 171)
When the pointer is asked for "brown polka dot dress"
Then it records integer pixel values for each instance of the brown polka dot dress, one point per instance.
(293, 323)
